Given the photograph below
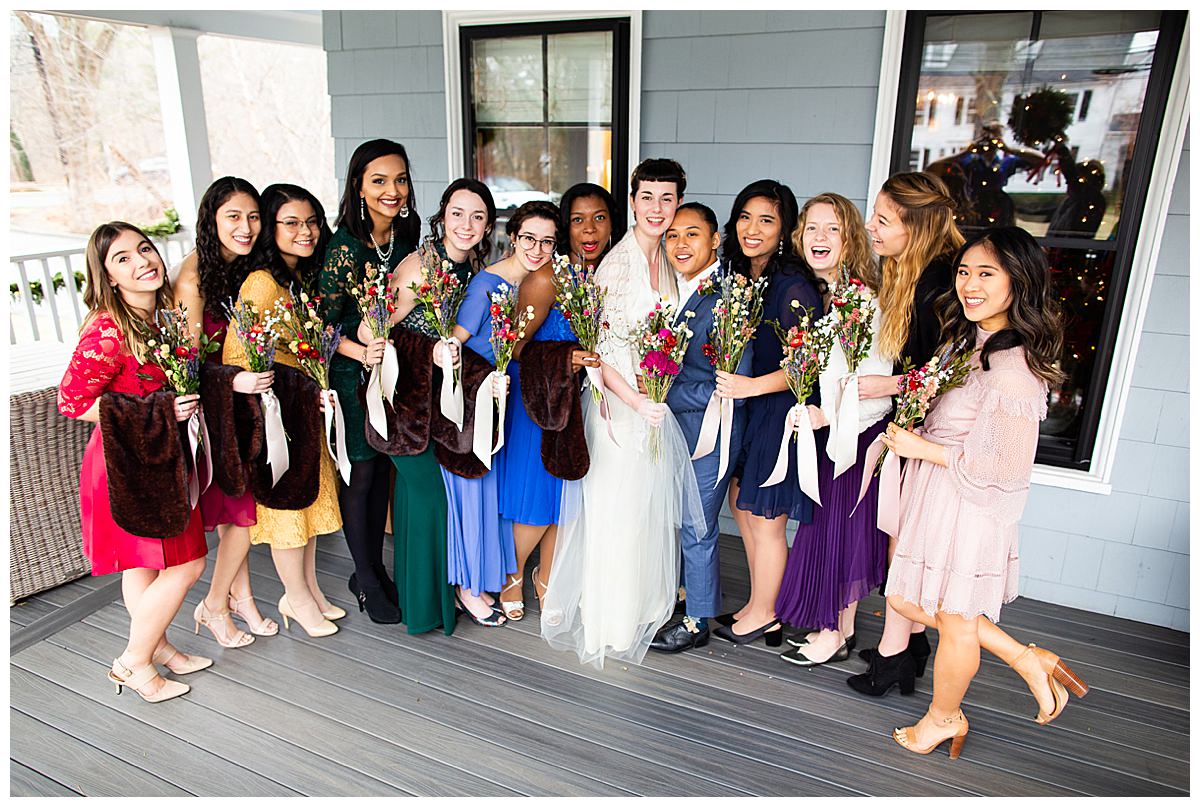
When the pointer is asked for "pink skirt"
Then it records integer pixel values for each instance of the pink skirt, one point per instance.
(217, 508)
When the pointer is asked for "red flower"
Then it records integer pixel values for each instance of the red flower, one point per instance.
(495, 309)
(181, 352)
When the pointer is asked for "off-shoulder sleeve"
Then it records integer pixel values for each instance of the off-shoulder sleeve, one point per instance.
(991, 469)
(474, 313)
(94, 364)
(338, 273)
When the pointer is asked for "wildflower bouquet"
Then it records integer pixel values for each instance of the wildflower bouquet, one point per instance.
(581, 301)
(313, 343)
(490, 408)
(440, 293)
(852, 314)
(918, 387)
(661, 343)
(256, 331)
(377, 302)
(173, 349)
(806, 348)
(736, 316)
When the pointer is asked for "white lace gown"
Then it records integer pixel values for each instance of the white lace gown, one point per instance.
(616, 564)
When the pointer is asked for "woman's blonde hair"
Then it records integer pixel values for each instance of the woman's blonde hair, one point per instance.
(857, 257)
(927, 211)
(101, 295)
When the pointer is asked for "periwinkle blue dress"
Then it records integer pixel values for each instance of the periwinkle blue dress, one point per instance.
(765, 414)
(529, 494)
(479, 544)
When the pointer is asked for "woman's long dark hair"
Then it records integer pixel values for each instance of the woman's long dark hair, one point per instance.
(789, 212)
(1034, 321)
(220, 281)
(350, 214)
(588, 190)
(479, 254)
(273, 198)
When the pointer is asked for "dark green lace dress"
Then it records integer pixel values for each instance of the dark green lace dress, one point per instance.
(419, 521)
(345, 265)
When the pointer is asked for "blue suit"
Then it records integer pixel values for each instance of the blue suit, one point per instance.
(688, 398)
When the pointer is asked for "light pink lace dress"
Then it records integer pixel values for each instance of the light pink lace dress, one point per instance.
(957, 549)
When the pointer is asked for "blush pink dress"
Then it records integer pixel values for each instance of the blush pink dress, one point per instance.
(101, 363)
(216, 506)
(957, 549)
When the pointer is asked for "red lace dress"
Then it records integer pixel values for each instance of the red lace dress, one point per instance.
(101, 363)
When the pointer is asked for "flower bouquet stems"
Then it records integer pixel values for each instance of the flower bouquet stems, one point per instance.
(581, 301)
(376, 303)
(853, 310)
(440, 293)
(661, 343)
(490, 407)
(256, 332)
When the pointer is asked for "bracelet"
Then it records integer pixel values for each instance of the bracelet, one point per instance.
(363, 360)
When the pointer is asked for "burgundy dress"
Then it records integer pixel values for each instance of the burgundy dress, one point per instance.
(101, 363)
(215, 506)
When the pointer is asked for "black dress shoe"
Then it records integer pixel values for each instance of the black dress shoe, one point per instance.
(675, 636)
(797, 639)
(884, 673)
(797, 657)
(374, 600)
(771, 631)
(724, 619)
(680, 608)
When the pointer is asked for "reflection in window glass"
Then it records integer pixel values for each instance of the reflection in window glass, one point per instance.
(508, 80)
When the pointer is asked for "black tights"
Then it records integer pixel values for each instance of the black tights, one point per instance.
(364, 504)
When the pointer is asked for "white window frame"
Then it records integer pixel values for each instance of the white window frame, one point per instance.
(452, 21)
(1098, 479)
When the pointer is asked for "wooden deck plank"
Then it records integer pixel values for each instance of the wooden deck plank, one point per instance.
(36, 692)
(25, 612)
(296, 721)
(240, 722)
(23, 781)
(76, 765)
(629, 757)
(71, 611)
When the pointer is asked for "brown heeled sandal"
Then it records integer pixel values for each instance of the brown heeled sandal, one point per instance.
(1061, 678)
(907, 736)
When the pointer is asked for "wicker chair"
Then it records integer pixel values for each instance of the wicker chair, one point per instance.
(46, 452)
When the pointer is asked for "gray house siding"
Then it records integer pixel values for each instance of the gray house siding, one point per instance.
(736, 96)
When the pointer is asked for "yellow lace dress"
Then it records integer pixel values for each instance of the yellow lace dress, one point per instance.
(286, 529)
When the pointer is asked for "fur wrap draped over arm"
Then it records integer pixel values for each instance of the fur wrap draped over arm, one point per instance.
(235, 427)
(550, 392)
(299, 402)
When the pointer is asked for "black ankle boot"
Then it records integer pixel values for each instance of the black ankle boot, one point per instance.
(918, 646)
(389, 586)
(374, 600)
(884, 673)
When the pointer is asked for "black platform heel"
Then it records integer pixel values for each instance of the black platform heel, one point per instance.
(918, 646)
(375, 602)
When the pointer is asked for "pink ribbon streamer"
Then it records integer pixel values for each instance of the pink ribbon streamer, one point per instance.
(334, 417)
(487, 405)
(198, 442)
(276, 437)
(718, 419)
(798, 423)
(888, 514)
(381, 386)
(600, 394)
(452, 392)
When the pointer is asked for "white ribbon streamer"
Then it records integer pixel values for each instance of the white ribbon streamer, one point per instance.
(276, 437)
(799, 423)
(595, 377)
(335, 418)
(376, 414)
(844, 432)
(718, 419)
(482, 442)
(197, 430)
(452, 393)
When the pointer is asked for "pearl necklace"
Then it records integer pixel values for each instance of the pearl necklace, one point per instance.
(384, 257)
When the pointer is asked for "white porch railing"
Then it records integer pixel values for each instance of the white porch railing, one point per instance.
(41, 310)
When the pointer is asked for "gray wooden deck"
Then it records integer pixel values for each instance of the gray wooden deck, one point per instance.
(373, 711)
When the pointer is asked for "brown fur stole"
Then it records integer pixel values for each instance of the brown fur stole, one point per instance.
(453, 448)
(147, 470)
(305, 427)
(550, 391)
(409, 412)
(235, 428)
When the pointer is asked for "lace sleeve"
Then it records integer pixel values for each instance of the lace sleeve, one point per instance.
(991, 469)
(94, 364)
(337, 306)
(616, 342)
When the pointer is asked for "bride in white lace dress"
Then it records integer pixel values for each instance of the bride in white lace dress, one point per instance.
(616, 565)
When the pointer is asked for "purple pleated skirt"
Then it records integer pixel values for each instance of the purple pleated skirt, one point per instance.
(836, 558)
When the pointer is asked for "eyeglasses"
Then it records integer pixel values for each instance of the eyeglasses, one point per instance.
(294, 225)
(527, 241)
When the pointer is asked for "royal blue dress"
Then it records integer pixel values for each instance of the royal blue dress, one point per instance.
(480, 553)
(765, 414)
(529, 494)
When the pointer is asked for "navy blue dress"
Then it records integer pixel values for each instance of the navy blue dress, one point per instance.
(765, 414)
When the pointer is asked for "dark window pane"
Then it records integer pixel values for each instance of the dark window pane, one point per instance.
(514, 163)
(580, 154)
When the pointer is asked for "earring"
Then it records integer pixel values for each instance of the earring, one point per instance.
(403, 211)
(780, 246)
(362, 208)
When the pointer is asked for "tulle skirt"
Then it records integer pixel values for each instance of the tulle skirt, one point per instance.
(616, 564)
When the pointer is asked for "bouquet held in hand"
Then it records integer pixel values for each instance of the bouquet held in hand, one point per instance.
(661, 343)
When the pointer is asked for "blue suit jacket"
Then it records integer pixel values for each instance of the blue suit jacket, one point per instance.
(697, 378)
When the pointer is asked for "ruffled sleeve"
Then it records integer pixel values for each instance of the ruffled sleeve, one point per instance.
(991, 469)
(96, 362)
